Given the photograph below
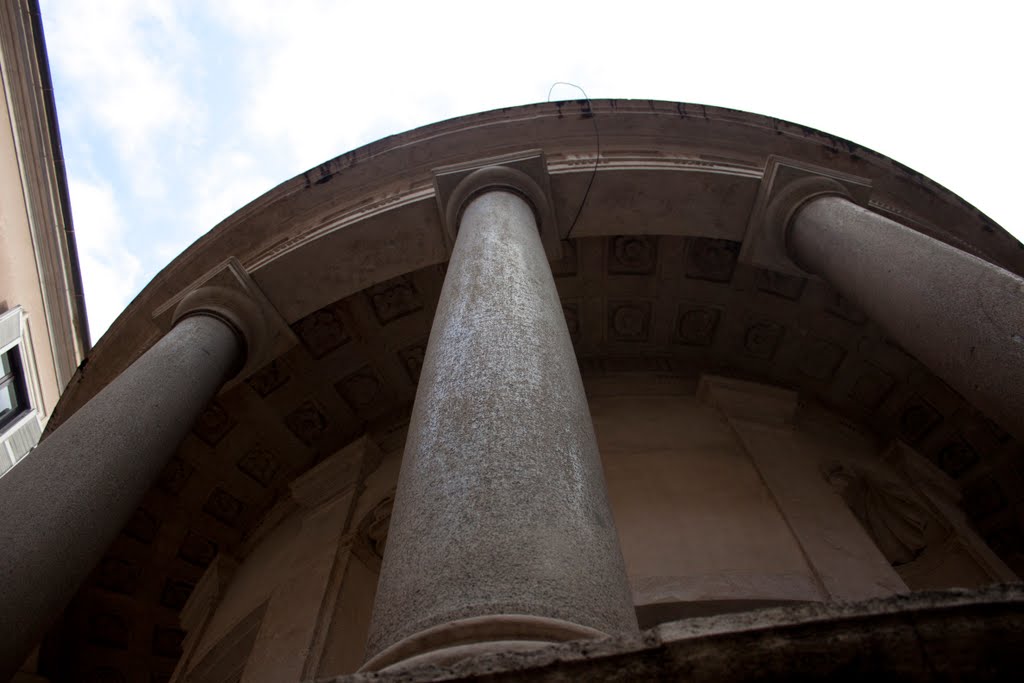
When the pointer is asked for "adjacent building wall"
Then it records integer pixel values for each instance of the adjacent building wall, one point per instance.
(41, 312)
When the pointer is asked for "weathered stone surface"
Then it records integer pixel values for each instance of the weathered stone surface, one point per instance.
(66, 501)
(950, 635)
(959, 315)
(501, 506)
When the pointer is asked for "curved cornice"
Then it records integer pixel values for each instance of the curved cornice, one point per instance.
(664, 168)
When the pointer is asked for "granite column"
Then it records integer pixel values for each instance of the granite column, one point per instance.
(501, 535)
(960, 315)
(63, 505)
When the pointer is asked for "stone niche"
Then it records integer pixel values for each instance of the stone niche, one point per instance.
(728, 496)
(296, 604)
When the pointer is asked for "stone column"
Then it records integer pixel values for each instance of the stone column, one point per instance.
(959, 315)
(63, 505)
(501, 535)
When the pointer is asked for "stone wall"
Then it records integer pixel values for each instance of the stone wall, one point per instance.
(727, 496)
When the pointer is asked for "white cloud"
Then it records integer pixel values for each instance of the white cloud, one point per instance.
(110, 272)
(323, 77)
(193, 109)
(225, 183)
(125, 60)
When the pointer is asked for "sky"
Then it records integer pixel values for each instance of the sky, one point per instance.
(175, 113)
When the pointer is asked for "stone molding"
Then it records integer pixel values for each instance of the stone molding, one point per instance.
(200, 607)
(335, 475)
(786, 186)
(227, 292)
(525, 174)
(456, 640)
(964, 634)
(763, 419)
(745, 400)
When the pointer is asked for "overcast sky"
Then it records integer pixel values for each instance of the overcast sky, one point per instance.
(176, 113)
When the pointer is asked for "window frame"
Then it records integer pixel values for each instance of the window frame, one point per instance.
(15, 376)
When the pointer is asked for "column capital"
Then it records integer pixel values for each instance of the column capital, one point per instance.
(496, 178)
(787, 185)
(232, 307)
(229, 294)
(780, 211)
(525, 174)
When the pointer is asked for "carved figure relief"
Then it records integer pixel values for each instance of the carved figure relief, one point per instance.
(762, 339)
(917, 419)
(696, 326)
(394, 299)
(372, 532)
(272, 376)
(375, 525)
(322, 331)
(632, 255)
(629, 322)
(224, 507)
(307, 422)
(260, 464)
(213, 424)
(175, 476)
(711, 259)
(360, 389)
(898, 521)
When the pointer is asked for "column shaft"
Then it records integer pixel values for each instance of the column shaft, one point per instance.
(63, 505)
(959, 315)
(501, 509)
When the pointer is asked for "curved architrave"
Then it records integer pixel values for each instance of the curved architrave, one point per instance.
(370, 214)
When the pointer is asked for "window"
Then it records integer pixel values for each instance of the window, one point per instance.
(19, 391)
(13, 392)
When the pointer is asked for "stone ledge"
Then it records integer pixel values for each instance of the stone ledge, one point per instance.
(975, 634)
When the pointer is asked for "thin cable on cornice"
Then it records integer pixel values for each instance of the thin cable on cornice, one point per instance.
(597, 159)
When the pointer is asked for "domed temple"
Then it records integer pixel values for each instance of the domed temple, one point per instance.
(611, 389)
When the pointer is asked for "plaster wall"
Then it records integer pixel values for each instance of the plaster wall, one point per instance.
(19, 274)
(695, 520)
(722, 501)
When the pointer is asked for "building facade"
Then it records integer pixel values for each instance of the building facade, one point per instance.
(489, 396)
(43, 330)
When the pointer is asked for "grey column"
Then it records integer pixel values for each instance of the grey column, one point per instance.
(959, 315)
(501, 535)
(63, 505)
